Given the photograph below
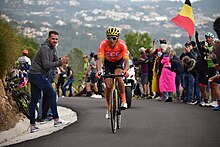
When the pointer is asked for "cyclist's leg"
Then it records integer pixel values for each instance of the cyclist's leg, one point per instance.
(109, 69)
(108, 83)
(118, 71)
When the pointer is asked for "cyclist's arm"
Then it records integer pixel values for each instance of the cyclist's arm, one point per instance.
(125, 56)
(126, 64)
(99, 63)
(101, 56)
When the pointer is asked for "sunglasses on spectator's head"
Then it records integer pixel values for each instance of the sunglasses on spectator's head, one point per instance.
(113, 38)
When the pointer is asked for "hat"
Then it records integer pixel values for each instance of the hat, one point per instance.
(85, 56)
(193, 43)
(142, 50)
(163, 41)
(187, 44)
(25, 52)
(92, 54)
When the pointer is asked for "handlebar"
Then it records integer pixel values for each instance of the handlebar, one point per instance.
(112, 76)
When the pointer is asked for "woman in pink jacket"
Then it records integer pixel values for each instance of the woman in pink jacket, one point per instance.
(167, 80)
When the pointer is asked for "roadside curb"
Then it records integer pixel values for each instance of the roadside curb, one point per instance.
(21, 131)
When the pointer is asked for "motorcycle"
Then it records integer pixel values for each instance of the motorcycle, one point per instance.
(130, 84)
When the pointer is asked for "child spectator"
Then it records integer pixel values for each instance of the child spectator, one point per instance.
(167, 80)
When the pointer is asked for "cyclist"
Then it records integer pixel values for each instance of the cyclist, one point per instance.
(114, 52)
(211, 60)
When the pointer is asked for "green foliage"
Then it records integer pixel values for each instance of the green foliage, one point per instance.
(76, 62)
(11, 47)
(135, 41)
(30, 45)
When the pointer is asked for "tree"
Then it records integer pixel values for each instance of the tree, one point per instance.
(135, 41)
(76, 62)
(11, 46)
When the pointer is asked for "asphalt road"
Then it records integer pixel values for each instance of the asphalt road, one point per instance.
(148, 123)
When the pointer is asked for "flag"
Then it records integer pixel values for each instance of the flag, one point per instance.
(185, 18)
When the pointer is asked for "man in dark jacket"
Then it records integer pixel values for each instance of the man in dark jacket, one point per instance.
(178, 68)
(44, 60)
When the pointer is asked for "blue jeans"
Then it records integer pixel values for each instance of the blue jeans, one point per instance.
(197, 89)
(70, 83)
(189, 87)
(178, 81)
(165, 95)
(40, 82)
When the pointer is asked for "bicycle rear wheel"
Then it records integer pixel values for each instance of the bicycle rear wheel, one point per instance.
(113, 110)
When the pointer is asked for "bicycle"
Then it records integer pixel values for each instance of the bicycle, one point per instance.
(115, 101)
(19, 94)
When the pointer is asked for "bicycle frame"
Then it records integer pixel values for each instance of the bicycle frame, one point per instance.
(115, 99)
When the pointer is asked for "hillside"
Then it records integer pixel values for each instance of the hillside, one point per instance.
(82, 23)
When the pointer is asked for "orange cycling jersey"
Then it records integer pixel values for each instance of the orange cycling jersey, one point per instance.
(113, 54)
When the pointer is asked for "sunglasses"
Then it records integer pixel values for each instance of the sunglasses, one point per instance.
(113, 38)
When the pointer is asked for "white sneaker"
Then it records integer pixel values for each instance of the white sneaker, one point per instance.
(157, 98)
(33, 129)
(107, 115)
(202, 104)
(124, 105)
(213, 104)
(100, 96)
(208, 104)
(60, 122)
(97, 97)
(94, 95)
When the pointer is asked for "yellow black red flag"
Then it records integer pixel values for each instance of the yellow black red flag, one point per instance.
(185, 18)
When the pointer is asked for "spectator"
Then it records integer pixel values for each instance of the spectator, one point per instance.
(93, 71)
(216, 78)
(178, 68)
(151, 59)
(44, 60)
(24, 63)
(158, 53)
(189, 68)
(86, 76)
(69, 80)
(61, 79)
(144, 72)
(167, 80)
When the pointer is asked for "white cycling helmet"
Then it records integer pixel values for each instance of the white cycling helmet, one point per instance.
(209, 34)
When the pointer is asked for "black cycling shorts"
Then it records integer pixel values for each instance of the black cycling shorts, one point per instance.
(110, 67)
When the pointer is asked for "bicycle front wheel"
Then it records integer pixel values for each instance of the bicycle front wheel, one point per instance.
(118, 108)
(113, 110)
